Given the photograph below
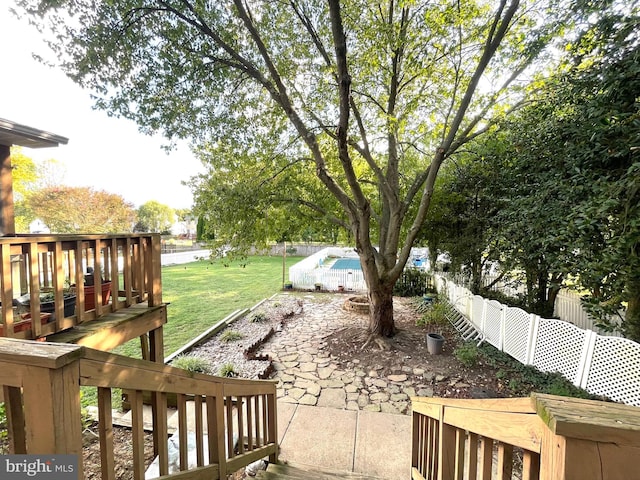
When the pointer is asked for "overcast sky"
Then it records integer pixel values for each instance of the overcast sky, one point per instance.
(105, 153)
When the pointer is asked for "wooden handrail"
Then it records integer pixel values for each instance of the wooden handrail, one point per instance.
(41, 384)
(557, 438)
(126, 272)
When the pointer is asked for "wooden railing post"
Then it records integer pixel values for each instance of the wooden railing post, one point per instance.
(446, 449)
(153, 267)
(45, 418)
(273, 425)
(216, 433)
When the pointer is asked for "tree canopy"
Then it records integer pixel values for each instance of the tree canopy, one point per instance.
(564, 183)
(24, 176)
(154, 216)
(81, 210)
(336, 112)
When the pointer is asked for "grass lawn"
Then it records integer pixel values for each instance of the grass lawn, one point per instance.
(202, 293)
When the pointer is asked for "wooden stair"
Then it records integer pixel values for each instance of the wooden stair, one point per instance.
(277, 471)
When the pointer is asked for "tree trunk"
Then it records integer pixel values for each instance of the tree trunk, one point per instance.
(631, 327)
(380, 292)
(381, 310)
(476, 276)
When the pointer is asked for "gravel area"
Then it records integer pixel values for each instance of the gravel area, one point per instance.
(226, 350)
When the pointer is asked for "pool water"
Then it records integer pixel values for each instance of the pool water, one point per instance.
(346, 264)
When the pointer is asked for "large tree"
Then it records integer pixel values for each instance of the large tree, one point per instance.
(563, 183)
(81, 210)
(25, 175)
(357, 103)
(154, 216)
(574, 188)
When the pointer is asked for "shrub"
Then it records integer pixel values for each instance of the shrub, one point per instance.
(228, 370)
(258, 317)
(467, 354)
(524, 379)
(412, 283)
(231, 336)
(4, 433)
(436, 315)
(192, 363)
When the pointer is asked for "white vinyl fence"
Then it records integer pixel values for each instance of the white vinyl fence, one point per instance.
(308, 272)
(568, 306)
(608, 366)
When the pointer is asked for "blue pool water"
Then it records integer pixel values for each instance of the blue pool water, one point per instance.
(346, 264)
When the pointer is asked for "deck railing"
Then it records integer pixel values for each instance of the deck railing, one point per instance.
(543, 437)
(41, 384)
(51, 283)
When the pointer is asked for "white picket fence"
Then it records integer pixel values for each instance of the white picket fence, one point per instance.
(602, 365)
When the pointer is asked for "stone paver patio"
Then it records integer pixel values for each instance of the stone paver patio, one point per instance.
(308, 375)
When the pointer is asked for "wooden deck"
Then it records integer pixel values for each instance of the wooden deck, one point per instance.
(114, 329)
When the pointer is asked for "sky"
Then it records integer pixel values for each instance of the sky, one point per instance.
(103, 152)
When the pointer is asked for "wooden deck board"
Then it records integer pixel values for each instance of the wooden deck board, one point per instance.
(115, 328)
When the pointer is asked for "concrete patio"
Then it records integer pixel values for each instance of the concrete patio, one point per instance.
(372, 443)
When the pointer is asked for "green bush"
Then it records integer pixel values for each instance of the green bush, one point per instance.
(192, 363)
(258, 317)
(524, 379)
(4, 433)
(231, 336)
(412, 283)
(467, 354)
(227, 370)
(435, 315)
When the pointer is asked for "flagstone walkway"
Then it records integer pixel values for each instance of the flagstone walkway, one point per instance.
(308, 375)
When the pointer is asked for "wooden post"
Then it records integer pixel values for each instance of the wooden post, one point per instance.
(273, 425)
(155, 352)
(49, 376)
(154, 266)
(446, 449)
(7, 215)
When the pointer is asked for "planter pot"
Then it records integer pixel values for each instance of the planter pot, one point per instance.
(435, 343)
(90, 295)
(288, 286)
(25, 323)
(318, 287)
(24, 306)
(341, 288)
(69, 307)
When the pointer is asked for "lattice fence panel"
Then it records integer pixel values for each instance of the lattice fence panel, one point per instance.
(615, 370)
(477, 307)
(461, 299)
(451, 291)
(559, 348)
(517, 325)
(493, 323)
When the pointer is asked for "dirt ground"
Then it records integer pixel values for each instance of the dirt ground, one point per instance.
(407, 351)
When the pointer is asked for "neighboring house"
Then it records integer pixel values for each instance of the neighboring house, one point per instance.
(38, 226)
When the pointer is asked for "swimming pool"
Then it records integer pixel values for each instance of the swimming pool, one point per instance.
(346, 264)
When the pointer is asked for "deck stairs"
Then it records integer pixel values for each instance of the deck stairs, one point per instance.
(279, 471)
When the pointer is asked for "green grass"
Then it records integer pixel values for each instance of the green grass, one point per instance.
(202, 293)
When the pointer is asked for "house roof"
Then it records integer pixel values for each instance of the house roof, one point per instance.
(12, 133)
